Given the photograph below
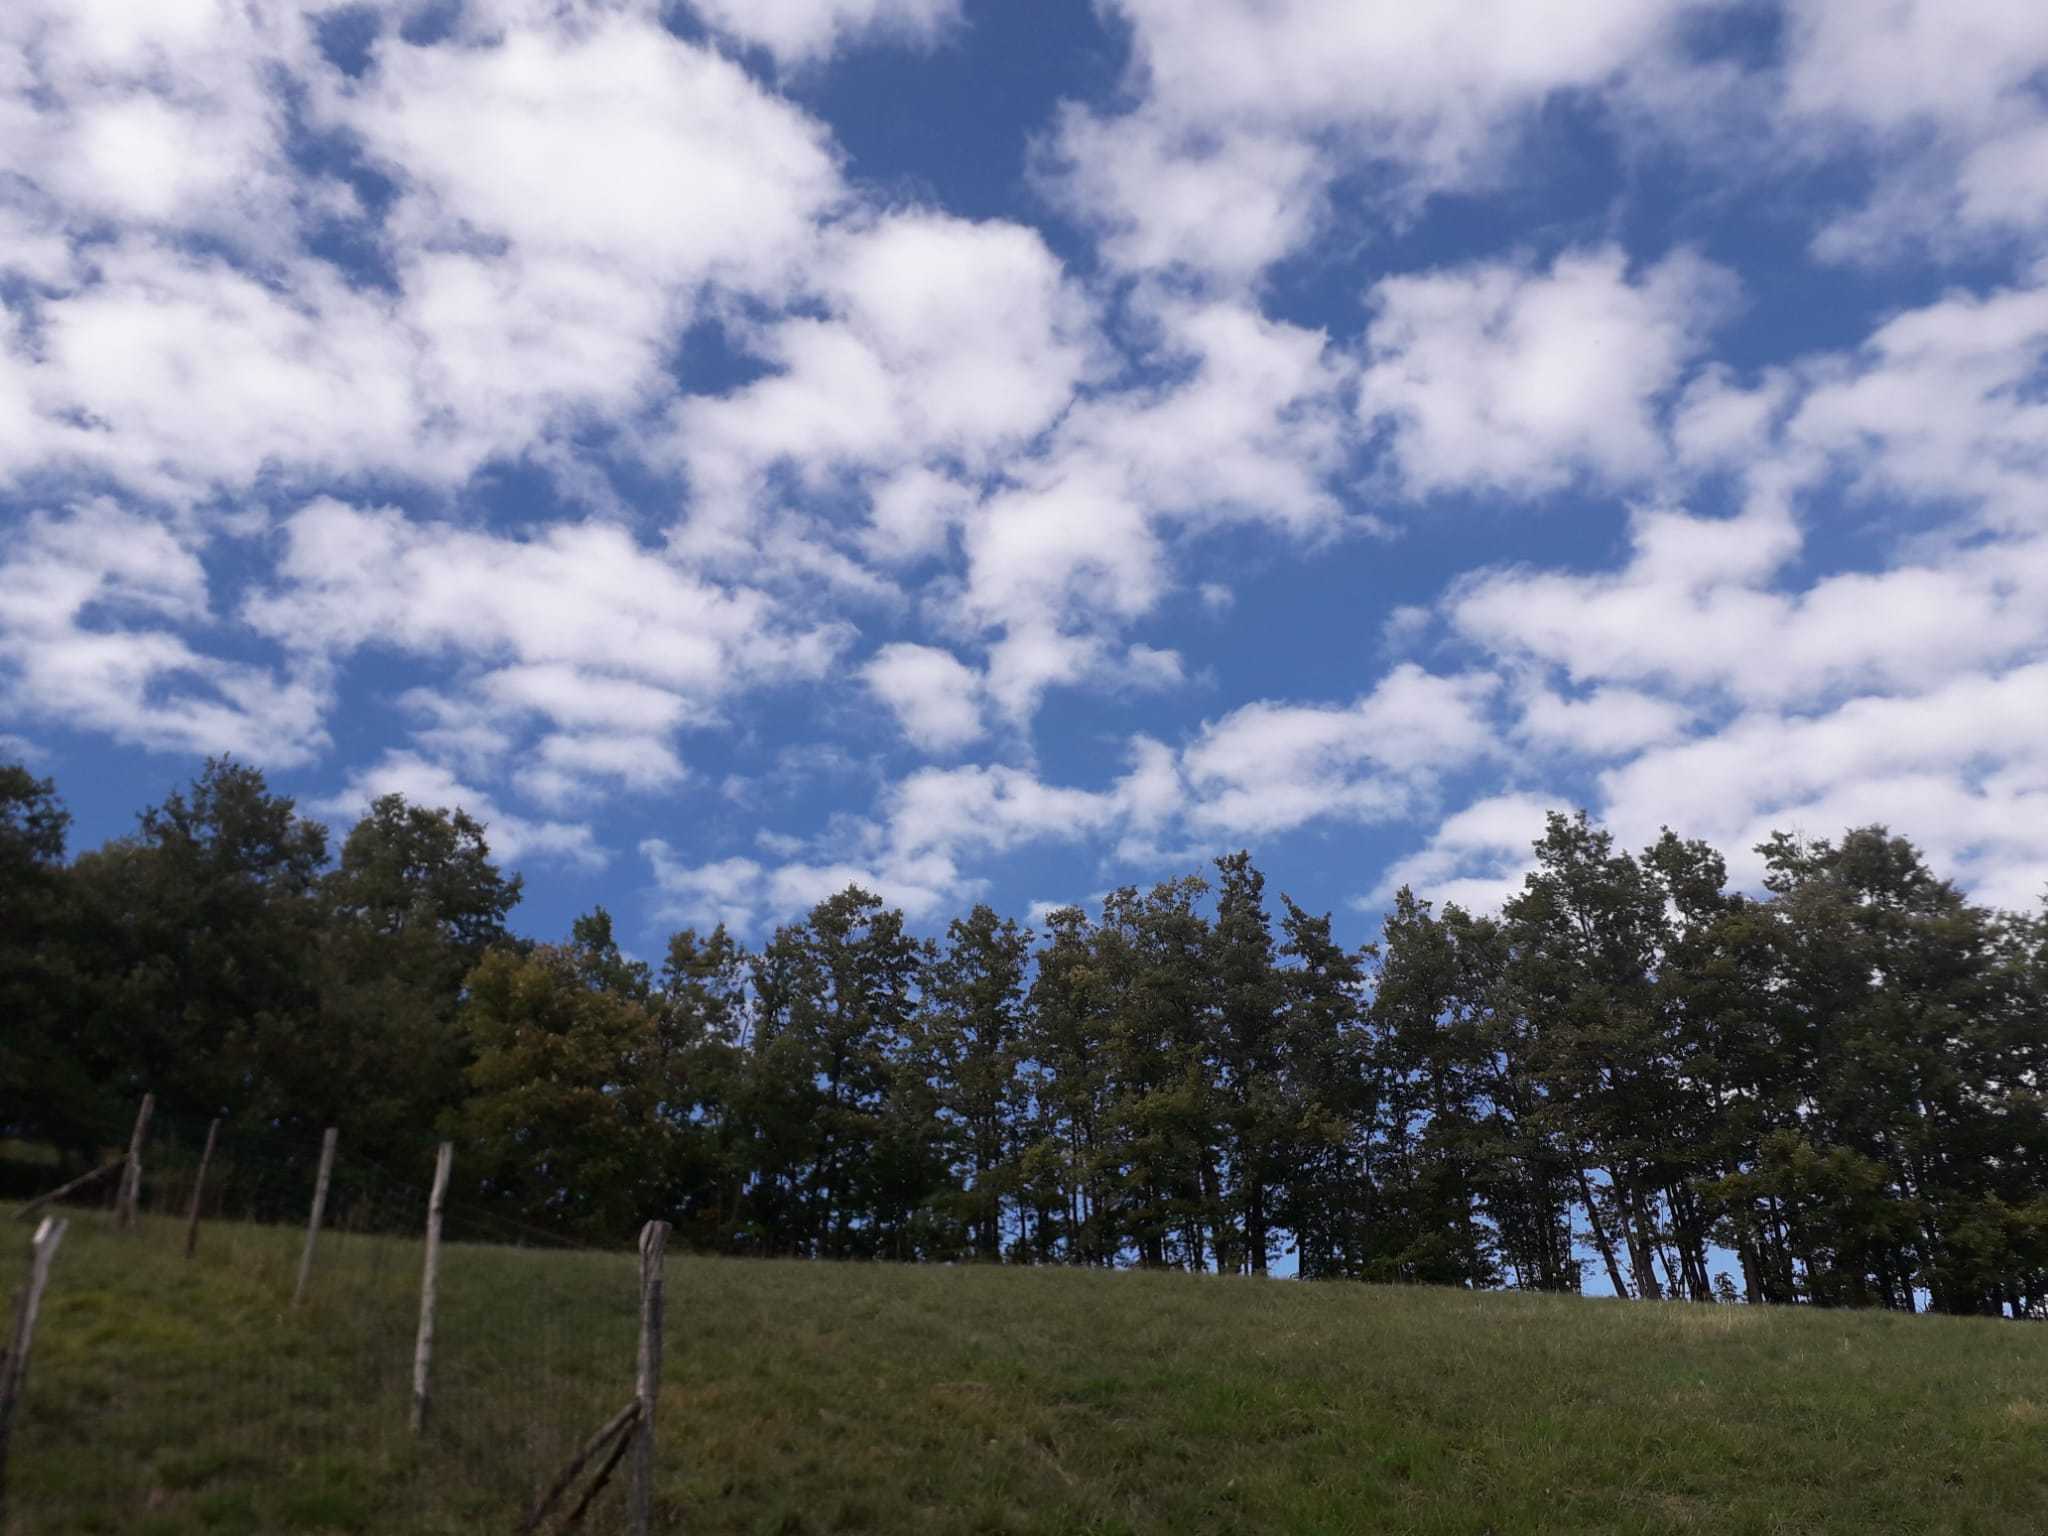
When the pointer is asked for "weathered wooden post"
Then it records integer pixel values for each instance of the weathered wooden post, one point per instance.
(199, 1188)
(131, 1174)
(14, 1365)
(319, 1209)
(647, 1388)
(430, 1279)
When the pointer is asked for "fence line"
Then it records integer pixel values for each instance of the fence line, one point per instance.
(460, 1369)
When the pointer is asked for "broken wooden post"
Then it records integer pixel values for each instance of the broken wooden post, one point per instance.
(617, 1428)
(602, 1476)
(71, 1188)
(647, 1388)
(319, 1210)
(14, 1365)
(430, 1277)
(198, 1188)
(131, 1177)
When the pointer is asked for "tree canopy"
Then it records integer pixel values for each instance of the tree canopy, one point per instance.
(1827, 1090)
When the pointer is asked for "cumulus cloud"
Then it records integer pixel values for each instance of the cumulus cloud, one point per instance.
(1734, 689)
(576, 601)
(93, 603)
(1962, 768)
(1477, 857)
(422, 781)
(1270, 767)
(935, 697)
(942, 340)
(158, 116)
(1944, 96)
(1272, 100)
(611, 643)
(1496, 376)
(236, 462)
(185, 336)
(1606, 722)
(1249, 430)
(799, 32)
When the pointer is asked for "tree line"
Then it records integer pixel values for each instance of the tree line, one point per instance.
(1829, 1092)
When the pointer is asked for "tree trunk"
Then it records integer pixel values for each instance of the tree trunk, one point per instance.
(1600, 1237)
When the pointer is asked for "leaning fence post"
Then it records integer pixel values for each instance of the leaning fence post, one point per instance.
(319, 1209)
(131, 1174)
(430, 1278)
(198, 1187)
(14, 1366)
(647, 1388)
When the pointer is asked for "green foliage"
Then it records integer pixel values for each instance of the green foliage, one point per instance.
(1832, 1093)
(565, 1110)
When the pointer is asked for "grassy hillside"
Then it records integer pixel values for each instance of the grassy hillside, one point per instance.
(169, 1398)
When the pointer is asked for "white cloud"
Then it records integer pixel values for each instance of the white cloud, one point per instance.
(533, 288)
(1476, 857)
(424, 782)
(1250, 429)
(612, 142)
(799, 32)
(564, 767)
(943, 341)
(1943, 96)
(91, 602)
(1962, 769)
(744, 894)
(575, 601)
(1607, 722)
(562, 693)
(1163, 198)
(1941, 405)
(1741, 694)
(1272, 100)
(173, 372)
(936, 699)
(913, 852)
(1269, 767)
(1495, 376)
(156, 115)
(1694, 610)
(613, 644)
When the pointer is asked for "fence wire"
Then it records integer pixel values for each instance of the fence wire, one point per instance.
(175, 1385)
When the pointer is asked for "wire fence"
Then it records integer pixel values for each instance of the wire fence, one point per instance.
(207, 1358)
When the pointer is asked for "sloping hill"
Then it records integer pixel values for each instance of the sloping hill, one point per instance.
(172, 1398)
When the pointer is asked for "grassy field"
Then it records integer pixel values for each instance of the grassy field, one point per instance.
(173, 1398)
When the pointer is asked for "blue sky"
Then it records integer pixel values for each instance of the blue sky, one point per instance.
(1003, 451)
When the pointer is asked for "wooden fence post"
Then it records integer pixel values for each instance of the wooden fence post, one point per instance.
(131, 1175)
(647, 1388)
(14, 1366)
(198, 1187)
(319, 1209)
(430, 1280)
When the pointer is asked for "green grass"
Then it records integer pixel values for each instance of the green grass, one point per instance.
(168, 1399)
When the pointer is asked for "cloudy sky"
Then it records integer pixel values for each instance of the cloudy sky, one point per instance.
(1004, 450)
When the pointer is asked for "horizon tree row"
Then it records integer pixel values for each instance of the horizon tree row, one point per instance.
(1831, 1092)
